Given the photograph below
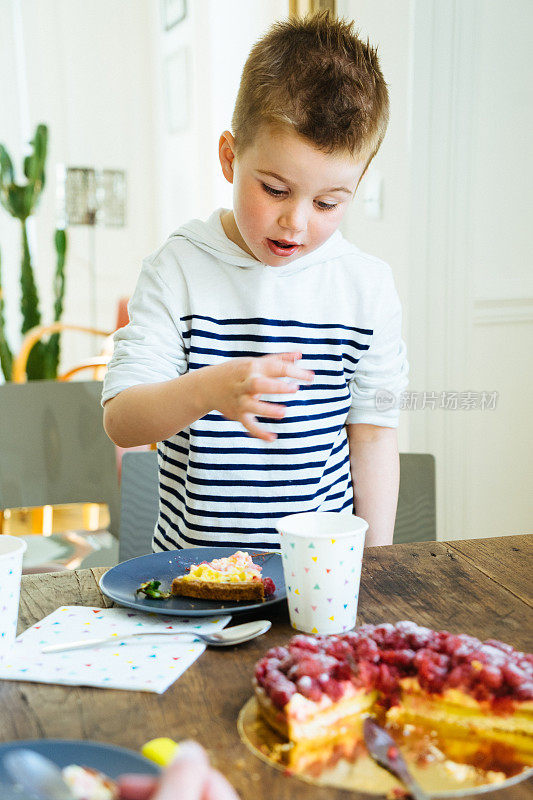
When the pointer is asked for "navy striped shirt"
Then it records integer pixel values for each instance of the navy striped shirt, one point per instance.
(200, 301)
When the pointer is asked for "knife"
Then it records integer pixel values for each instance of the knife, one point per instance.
(386, 752)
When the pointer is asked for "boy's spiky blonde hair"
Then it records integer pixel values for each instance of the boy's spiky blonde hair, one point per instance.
(316, 76)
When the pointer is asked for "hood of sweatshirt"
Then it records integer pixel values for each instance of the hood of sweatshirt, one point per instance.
(210, 236)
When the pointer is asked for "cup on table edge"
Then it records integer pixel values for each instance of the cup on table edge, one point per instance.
(322, 552)
(11, 551)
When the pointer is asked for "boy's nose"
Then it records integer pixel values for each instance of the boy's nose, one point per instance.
(293, 219)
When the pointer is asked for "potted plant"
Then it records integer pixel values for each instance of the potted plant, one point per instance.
(21, 200)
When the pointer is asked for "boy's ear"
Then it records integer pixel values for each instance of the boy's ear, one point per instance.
(226, 154)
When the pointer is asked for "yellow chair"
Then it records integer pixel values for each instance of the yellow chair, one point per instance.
(98, 364)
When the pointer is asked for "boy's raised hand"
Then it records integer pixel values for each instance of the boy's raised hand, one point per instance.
(238, 384)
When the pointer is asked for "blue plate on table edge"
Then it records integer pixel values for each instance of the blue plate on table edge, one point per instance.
(107, 758)
(120, 582)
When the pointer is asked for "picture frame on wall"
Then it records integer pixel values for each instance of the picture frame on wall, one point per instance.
(172, 13)
(176, 71)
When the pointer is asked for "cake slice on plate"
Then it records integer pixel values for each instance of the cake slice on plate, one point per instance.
(235, 578)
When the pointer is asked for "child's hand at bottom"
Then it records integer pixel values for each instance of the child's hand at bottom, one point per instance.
(235, 387)
(188, 777)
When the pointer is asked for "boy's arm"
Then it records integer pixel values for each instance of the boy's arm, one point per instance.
(153, 412)
(375, 468)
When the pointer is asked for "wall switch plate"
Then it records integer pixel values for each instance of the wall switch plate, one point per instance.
(373, 195)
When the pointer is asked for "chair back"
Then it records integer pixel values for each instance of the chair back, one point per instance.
(139, 503)
(415, 518)
(53, 447)
(416, 514)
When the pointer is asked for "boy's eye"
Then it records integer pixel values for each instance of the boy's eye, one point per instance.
(326, 206)
(272, 191)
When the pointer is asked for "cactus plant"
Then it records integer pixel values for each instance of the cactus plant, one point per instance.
(20, 201)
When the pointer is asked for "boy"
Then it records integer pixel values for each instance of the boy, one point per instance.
(259, 339)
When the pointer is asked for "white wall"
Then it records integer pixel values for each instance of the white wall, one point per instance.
(218, 37)
(386, 23)
(458, 167)
(89, 78)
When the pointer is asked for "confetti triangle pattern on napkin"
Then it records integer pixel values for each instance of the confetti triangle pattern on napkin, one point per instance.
(146, 664)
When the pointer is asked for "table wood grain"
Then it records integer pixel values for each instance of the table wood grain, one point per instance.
(482, 587)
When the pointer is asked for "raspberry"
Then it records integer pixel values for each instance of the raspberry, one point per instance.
(309, 688)
(491, 677)
(314, 666)
(367, 674)
(367, 649)
(401, 658)
(421, 637)
(342, 671)
(383, 634)
(333, 689)
(269, 586)
(280, 694)
(388, 679)
(302, 642)
(490, 655)
(338, 648)
(514, 676)
(277, 652)
(505, 648)
(525, 691)
(467, 645)
(459, 676)
(260, 670)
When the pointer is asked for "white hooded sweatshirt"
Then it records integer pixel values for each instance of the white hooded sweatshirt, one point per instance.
(201, 300)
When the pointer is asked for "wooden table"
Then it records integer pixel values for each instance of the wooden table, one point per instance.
(482, 587)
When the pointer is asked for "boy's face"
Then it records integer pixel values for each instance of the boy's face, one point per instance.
(288, 196)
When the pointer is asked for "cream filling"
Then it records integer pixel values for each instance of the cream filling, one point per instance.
(310, 720)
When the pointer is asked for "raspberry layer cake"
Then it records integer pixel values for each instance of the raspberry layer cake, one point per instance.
(235, 577)
(317, 690)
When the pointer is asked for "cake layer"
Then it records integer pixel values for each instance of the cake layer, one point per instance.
(304, 721)
(455, 713)
(209, 590)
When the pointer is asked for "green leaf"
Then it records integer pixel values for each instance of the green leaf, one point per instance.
(29, 302)
(7, 173)
(6, 356)
(151, 589)
(53, 347)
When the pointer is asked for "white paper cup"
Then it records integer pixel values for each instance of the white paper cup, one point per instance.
(322, 554)
(11, 552)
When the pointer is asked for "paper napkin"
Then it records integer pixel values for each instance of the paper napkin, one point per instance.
(148, 664)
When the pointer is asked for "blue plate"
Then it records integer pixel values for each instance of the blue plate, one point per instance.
(112, 761)
(120, 582)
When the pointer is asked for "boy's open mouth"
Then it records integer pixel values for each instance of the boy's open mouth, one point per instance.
(282, 247)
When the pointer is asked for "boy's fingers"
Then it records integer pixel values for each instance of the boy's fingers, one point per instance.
(279, 368)
(292, 356)
(253, 428)
(271, 410)
(258, 384)
(189, 771)
(136, 787)
(218, 788)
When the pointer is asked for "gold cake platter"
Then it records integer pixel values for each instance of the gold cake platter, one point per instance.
(351, 768)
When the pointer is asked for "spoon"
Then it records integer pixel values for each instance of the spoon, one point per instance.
(385, 751)
(237, 634)
(36, 774)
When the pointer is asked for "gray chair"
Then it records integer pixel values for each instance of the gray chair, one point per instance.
(53, 448)
(416, 514)
(139, 503)
(415, 518)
